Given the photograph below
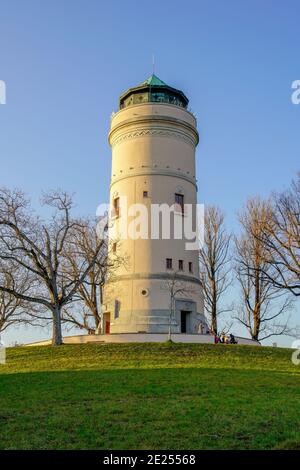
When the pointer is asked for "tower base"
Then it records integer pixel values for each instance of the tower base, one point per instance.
(143, 338)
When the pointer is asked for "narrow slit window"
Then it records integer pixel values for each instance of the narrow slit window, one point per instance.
(116, 208)
(117, 308)
(179, 202)
(169, 263)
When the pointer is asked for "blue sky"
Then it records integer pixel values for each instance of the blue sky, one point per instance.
(66, 62)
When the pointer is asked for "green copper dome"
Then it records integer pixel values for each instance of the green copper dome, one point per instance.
(154, 80)
(153, 90)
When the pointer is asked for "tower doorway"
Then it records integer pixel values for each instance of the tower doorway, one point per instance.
(184, 321)
(107, 323)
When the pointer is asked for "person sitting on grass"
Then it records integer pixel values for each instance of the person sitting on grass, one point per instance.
(232, 339)
(217, 339)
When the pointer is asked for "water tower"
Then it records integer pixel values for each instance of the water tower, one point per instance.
(153, 139)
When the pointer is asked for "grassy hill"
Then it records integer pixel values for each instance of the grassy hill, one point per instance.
(149, 396)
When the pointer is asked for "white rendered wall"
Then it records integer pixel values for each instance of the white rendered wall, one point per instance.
(153, 150)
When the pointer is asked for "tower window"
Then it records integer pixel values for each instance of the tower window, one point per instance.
(117, 308)
(169, 263)
(190, 267)
(145, 193)
(179, 202)
(114, 247)
(116, 207)
(180, 265)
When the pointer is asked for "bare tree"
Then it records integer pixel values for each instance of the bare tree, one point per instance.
(262, 304)
(176, 288)
(281, 239)
(14, 311)
(214, 264)
(85, 310)
(39, 248)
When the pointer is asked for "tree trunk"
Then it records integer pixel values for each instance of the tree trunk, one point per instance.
(256, 313)
(57, 339)
(214, 326)
(95, 315)
(256, 324)
(170, 321)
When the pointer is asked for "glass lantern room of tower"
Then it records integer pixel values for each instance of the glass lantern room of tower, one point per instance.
(153, 90)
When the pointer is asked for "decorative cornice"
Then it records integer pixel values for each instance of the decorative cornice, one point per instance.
(155, 276)
(153, 132)
(154, 171)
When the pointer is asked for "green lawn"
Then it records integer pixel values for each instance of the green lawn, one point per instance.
(149, 396)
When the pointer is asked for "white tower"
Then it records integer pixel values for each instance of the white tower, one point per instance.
(153, 139)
